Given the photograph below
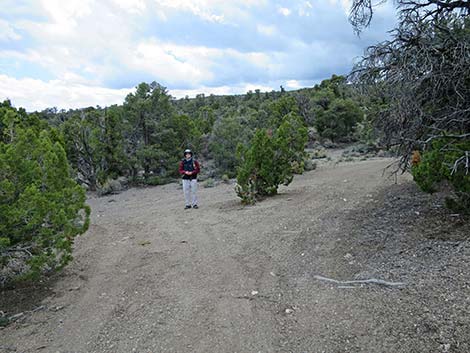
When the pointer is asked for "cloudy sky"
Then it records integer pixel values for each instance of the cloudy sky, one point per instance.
(77, 53)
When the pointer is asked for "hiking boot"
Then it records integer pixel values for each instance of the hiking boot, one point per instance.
(187, 207)
(195, 206)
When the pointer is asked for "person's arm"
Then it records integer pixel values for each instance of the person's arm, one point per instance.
(181, 168)
(197, 170)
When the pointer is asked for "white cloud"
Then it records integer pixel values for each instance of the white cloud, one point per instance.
(119, 43)
(65, 14)
(224, 12)
(64, 11)
(7, 32)
(73, 53)
(242, 88)
(38, 95)
(199, 8)
(98, 41)
(293, 84)
(266, 30)
(83, 36)
(259, 59)
(345, 4)
(305, 9)
(284, 11)
(189, 65)
(132, 6)
(223, 90)
(173, 63)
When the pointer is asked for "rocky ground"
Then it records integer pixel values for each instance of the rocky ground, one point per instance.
(151, 277)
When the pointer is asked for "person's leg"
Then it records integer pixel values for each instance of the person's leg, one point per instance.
(194, 191)
(187, 191)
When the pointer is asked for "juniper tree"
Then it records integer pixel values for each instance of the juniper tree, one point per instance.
(268, 160)
(41, 207)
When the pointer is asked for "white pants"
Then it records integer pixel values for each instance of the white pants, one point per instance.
(190, 187)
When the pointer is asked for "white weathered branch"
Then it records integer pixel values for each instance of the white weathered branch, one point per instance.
(361, 281)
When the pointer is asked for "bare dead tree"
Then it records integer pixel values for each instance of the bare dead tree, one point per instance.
(362, 11)
(424, 70)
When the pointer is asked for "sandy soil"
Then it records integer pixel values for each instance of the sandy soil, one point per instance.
(151, 277)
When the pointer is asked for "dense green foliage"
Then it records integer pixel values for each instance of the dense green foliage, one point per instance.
(269, 159)
(94, 144)
(439, 164)
(41, 207)
(142, 139)
(337, 112)
(227, 133)
(339, 119)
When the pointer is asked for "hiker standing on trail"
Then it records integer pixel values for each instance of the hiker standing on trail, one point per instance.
(189, 169)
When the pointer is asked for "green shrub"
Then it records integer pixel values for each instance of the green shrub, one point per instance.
(310, 165)
(209, 183)
(267, 162)
(41, 208)
(260, 173)
(291, 138)
(298, 168)
(228, 132)
(225, 179)
(438, 164)
(111, 186)
(156, 180)
(364, 132)
(339, 120)
(319, 153)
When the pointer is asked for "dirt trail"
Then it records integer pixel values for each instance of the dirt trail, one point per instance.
(151, 277)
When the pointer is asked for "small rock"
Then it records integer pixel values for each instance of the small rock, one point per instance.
(289, 311)
(348, 256)
(254, 292)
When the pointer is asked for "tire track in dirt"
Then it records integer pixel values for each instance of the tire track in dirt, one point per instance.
(217, 279)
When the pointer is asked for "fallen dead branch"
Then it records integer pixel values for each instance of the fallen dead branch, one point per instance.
(361, 281)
